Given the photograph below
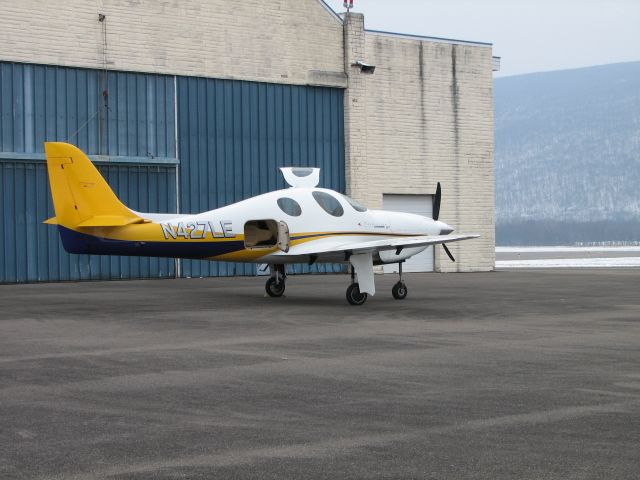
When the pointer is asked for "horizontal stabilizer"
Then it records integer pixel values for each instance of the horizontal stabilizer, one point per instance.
(51, 221)
(110, 221)
(301, 177)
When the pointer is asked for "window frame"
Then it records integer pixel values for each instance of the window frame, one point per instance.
(325, 208)
(296, 203)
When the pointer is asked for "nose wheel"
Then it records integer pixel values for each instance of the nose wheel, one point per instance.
(399, 290)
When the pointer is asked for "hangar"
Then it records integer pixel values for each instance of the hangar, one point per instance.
(188, 106)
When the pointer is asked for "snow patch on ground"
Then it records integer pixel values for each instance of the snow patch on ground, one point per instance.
(571, 263)
(565, 249)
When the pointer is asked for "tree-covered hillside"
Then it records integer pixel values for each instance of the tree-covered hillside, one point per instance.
(568, 150)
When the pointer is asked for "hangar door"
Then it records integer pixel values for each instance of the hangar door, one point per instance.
(420, 205)
(123, 120)
(234, 135)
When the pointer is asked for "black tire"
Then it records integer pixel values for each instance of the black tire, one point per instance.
(354, 297)
(399, 291)
(273, 288)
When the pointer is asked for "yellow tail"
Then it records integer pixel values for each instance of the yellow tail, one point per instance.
(81, 197)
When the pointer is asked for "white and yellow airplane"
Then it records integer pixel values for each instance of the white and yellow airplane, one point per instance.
(301, 224)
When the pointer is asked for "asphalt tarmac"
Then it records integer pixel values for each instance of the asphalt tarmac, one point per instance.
(503, 375)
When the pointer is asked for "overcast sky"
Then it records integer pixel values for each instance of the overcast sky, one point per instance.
(529, 35)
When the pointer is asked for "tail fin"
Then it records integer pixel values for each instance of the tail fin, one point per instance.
(81, 197)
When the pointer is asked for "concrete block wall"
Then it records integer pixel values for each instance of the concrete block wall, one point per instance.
(355, 110)
(426, 115)
(272, 41)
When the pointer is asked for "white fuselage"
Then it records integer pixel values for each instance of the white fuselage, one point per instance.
(312, 224)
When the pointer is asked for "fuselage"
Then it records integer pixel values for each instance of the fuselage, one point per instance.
(302, 214)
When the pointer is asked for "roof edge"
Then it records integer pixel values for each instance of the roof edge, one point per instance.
(433, 39)
(333, 13)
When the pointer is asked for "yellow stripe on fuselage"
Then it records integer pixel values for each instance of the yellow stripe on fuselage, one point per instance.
(153, 232)
(248, 255)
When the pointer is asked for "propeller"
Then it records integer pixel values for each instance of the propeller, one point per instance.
(436, 202)
(446, 249)
(436, 213)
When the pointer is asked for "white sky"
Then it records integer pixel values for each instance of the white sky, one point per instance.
(529, 35)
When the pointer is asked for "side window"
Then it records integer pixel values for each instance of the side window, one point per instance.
(328, 203)
(290, 206)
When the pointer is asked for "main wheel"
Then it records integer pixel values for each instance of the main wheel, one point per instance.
(273, 288)
(354, 297)
(399, 291)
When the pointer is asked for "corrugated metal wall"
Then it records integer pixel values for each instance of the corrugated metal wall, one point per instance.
(136, 133)
(233, 136)
(31, 251)
(41, 103)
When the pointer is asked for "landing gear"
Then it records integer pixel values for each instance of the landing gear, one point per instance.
(399, 290)
(354, 296)
(276, 282)
(274, 288)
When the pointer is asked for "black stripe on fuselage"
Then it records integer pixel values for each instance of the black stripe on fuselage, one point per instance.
(77, 242)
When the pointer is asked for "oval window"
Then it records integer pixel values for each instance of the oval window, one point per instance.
(289, 206)
(358, 207)
(328, 203)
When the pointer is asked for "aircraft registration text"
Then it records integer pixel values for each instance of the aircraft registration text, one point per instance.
(197, 230)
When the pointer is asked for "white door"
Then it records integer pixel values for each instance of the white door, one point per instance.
(421, 205)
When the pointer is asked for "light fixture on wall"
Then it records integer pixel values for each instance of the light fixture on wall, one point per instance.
(364, 67)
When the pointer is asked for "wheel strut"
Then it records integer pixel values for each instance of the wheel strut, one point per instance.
(354, 296)
(276, 283)
(278, 272)
(399, 290)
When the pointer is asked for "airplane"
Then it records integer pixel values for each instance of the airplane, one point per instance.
(300, 224)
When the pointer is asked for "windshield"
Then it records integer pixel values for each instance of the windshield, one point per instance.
(356, 206)
(328, 203)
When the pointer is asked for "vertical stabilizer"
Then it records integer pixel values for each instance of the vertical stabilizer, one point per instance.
(81, 197)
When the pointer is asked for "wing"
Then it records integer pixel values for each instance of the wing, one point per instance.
(361, 253)
(392, 243)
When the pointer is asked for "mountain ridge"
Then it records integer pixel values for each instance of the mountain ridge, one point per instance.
(568, 146)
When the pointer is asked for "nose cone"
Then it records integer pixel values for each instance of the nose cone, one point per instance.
(444, 228)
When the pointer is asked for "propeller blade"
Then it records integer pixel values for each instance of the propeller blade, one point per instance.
(436, 202)
(446, 249)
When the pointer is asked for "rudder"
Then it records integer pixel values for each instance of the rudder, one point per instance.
(81, 196)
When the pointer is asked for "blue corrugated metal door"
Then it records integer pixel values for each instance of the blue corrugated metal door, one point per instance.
(127, 117)
(233, 136)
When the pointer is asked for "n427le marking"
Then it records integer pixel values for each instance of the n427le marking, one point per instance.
(197, 230)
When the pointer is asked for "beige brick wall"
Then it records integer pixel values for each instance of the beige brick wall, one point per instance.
(355, 111)
(426, 115)
(282, 41)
